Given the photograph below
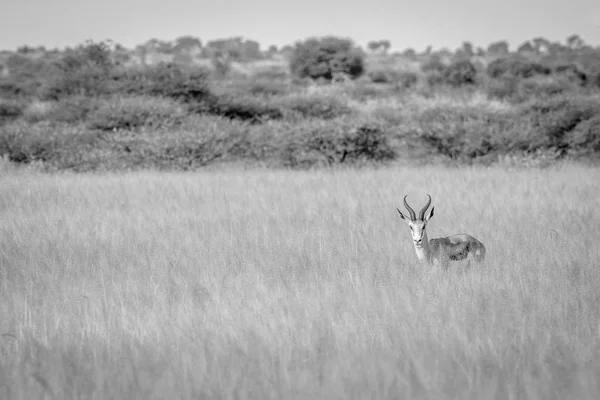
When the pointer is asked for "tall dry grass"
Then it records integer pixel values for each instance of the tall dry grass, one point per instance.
(276, 284)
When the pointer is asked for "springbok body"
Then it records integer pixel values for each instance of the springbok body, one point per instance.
(440, 250)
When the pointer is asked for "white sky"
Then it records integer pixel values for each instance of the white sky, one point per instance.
(416, 24)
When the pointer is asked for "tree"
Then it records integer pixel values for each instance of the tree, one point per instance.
(187, 43)
(526, 48)
(385, 44)
(467, 49)
(327, 57)
(373, 46)
(498, 48)
(460, 73)
(410, 53)
(541, 45)
(574, 42)
(379, 45)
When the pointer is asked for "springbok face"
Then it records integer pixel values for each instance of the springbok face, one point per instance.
(417, 225)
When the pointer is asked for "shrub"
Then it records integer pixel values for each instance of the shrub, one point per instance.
(407, 79)
(9, 110)
(27, 143)
(326, 57)
(163, 80)
(553, 119)
(246, 108)
(585, 137)
(460, 73)
(542, 86)
(434, 65)
(466, 133)
(83, 71)
(317, 106)
(73, 109)
(221, 62)
(266, 87)
(337, 142)
(380, 76)
(572, 73)
(134, 112)
(504, 87)
(516, 66)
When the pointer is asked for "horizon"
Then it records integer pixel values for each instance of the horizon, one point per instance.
(67, 23)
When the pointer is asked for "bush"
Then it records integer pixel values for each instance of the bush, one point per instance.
(517, 67)
(460, 73)
(543, 86)
(433, 65)
(83, 71)
(266, 87)
(466, 133)
(381, 76)
(317, 106)
(504, 87)
(326, 57)
(553, 119)
(26, 143)
(134, 112)
(407, 79)
(572, 73)
(9, 110)
(163, 80)
(247, 108)
(337, 142)
(72, 109)
(585, 137)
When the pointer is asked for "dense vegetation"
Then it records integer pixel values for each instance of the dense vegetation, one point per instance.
(95, 108)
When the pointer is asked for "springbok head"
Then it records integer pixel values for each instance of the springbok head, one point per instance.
(417, 225)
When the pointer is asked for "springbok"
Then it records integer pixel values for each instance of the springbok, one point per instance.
(445, 249)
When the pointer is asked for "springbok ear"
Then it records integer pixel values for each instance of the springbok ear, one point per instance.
(401, 215)
(430, 214)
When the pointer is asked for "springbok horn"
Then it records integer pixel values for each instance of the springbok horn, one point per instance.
(422, 212)
(410, 210)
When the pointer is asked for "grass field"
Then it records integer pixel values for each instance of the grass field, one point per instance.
(270, 284)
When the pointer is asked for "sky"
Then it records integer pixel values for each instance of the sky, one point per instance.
(406, 24)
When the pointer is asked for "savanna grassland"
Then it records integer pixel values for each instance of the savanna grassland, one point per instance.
(275, 284)
(222, 223)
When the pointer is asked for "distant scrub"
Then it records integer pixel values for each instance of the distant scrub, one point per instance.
(247, 108)
(325, 57)
(9, 110)
(337, 142)
(460, 73)
(81, 110)
(517, 67)
(316, 106)
(561, 124)
(163, 80)
(135, 112)
(401, 79)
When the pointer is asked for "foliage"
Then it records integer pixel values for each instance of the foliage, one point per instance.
(116, 113)
(460, 73)
(317, 106)
(9, 110)
(247, 108)
(337, 142)
(83, 71)
(572, 73)
(516, 66)
(554, 120)
(163, 80)
(325, 57)
(434, 65)
(26, 143)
